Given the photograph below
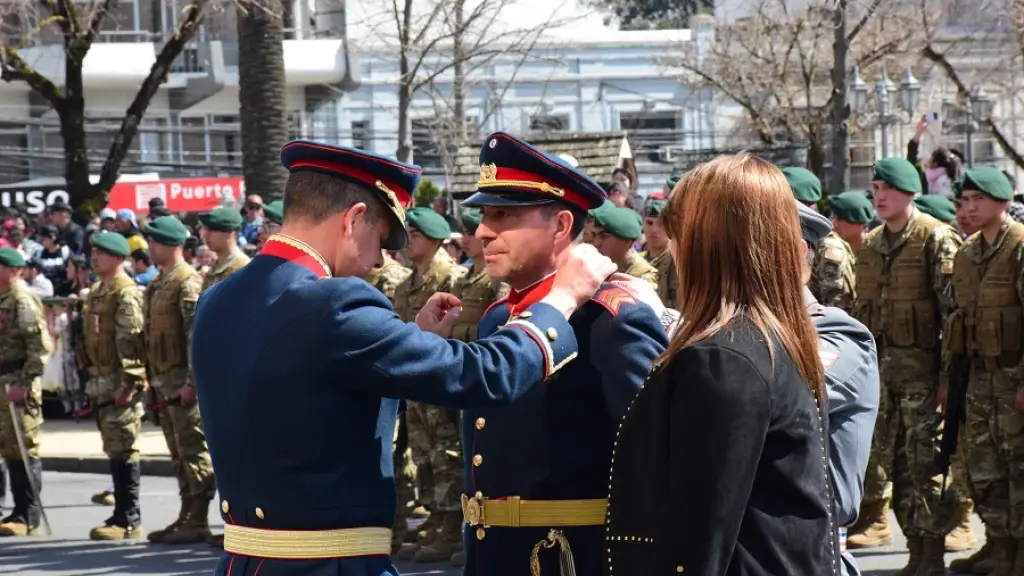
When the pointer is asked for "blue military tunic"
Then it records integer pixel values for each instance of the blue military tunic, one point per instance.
(298, 376)
(851, 377)
(555, 443)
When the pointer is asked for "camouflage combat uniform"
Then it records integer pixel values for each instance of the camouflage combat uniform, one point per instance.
(24, 346)
(477, 291)
(388, 276)
(637, 267)
(224, 268)
(422, 421)
(833, 281)
(903, 286)
(988, 283)
(113, 354)
(668, 283)
(170, 304)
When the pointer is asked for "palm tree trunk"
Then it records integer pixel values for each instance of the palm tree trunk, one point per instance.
(263, 112)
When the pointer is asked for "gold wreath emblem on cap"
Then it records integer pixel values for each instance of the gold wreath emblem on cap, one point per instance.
(488, 173)
(395, 204)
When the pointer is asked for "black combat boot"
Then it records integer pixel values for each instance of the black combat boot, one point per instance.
(34, 508)
(124, 524)
(3, 482)
(15, 524)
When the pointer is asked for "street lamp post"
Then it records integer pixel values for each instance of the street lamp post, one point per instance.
(962, 117)
(887, 111)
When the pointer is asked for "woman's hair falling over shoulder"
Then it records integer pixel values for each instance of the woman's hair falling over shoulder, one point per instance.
(735, 232)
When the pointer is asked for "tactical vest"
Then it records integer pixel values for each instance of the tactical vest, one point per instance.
(215, 275)
(100, 323)
(166, 340)
(477, 293)
(986, 295)
(441, 275)
(894, 295)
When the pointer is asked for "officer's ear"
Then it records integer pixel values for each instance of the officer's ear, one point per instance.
(349, 217)
(564, 220)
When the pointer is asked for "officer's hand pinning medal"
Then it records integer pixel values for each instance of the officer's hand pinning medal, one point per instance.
(439, 314)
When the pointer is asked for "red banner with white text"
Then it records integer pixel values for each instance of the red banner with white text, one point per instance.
(179, 194)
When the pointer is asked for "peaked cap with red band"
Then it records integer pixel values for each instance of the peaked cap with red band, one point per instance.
(394, 182)
(514, 173)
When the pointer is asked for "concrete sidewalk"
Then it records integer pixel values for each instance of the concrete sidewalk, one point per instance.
(67, 446)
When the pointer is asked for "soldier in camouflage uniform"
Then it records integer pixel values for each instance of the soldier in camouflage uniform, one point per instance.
(221, 226)
(435, 271)
(851, 214)
(477, 291)
(658, 253)
(170, 304)
(615, 231)
(988, 281)
(24, 346)
(938, 207)
(220, 230)
(388, 276)
(832, 278)
(113, 355)
(904, 272)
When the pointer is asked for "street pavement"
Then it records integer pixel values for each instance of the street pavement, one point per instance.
(70, 553)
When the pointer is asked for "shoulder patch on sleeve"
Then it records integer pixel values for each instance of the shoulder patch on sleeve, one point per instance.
(829, 355)
(947, 266)
(613, 297)
(834, 254)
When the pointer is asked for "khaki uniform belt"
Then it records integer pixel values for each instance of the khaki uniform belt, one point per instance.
(514, 512)
(307, 544)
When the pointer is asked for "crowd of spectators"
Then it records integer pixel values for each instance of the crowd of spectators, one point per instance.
(58, 249)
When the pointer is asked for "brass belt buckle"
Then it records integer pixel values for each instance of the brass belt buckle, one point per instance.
(473, 510)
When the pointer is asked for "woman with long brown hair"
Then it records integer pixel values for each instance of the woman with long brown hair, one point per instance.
(721, 464)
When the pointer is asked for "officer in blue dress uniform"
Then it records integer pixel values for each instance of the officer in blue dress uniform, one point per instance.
(851, 377)
(298, 365)
(537, 470)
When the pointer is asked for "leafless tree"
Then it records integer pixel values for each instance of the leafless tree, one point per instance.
(437, 38)
(777, 64)
(75, 25)
(975, 45)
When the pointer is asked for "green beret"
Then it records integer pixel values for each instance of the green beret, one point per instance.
(621, 222)
(112, 243)
(274, 212)
(673, 180)
(655, 208)
(11, 258)
(852, 207)
(990, 181)
(429, 223)
(898, 173)
(471, 220)
(937, 206)
(222, 219)
(806, 186)
(593, 211)
(958, 189)
(166, 230)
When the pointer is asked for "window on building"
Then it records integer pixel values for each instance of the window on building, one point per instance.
(153, 142)
(295, 130)
(649, 131)
(424, 144)
(191, 144)
(225, 141)
(361, 134)
(549, 123)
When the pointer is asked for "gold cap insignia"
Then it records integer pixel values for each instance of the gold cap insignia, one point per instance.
(395, 204)
(488, 173)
